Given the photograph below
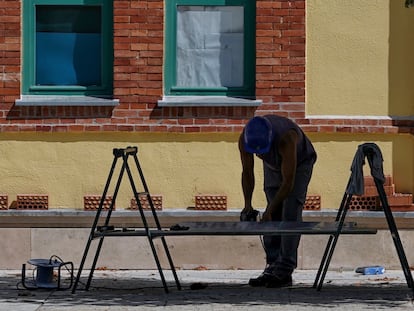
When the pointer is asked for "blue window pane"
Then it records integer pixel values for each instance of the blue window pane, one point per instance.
(68, 58)
(68, 45)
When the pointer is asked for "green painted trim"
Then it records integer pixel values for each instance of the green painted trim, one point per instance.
(29, 29)
(170, 39)
(28, 43)
(249, 50)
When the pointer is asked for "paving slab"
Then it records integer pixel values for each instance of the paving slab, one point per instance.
(122, 290)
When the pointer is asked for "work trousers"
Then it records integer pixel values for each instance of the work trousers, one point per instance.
(281, 251)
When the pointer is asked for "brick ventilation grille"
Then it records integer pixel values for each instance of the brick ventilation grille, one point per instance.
(211, 202)
(369, 203)
(143, 199)
(370, 200)
(4, 201)
(312, 202)
(32, 201)
(91, 202)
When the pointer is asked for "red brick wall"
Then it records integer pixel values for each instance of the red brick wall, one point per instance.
(280, 48)
(138, 59)
(10, 42)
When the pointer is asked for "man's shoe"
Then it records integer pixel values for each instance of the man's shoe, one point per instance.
(277, 282)
(261, 280)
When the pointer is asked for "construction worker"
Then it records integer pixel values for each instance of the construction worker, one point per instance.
(288, 158)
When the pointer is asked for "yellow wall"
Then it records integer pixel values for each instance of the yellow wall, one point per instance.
(177, 166)
(359, 62)
(335, 155)
(359, 58)
(403, 166)
(401, 60)
(69, 166)
(347, 57)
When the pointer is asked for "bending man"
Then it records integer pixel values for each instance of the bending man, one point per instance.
(288, 158)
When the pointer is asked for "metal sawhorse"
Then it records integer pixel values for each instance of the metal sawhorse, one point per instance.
(98, 232)
(372, 153)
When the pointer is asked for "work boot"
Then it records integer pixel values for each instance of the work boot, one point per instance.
(278, 281)
(261, 280)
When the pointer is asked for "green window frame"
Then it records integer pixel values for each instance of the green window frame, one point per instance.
(247, 87)
(58, 27)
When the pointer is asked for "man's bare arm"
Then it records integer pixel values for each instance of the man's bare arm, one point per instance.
(247, 177)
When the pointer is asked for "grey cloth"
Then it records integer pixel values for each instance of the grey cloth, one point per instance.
(373, 153)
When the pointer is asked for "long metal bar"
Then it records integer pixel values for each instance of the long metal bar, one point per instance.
(233, 228)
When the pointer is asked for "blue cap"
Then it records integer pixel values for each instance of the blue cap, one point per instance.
(258, 135)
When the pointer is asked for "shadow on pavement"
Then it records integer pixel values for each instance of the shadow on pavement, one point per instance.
(148, 292)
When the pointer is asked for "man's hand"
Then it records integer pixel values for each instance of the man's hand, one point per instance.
(267, 216)
(249, 214)
(271, 214)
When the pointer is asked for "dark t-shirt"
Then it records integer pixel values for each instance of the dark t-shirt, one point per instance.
(280, 125)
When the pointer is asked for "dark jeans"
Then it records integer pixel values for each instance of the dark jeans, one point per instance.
(281, 251)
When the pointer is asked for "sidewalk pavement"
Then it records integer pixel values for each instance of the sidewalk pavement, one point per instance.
(121, 290)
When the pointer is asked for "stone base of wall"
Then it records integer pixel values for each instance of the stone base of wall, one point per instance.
(231, 252)
(42, 234)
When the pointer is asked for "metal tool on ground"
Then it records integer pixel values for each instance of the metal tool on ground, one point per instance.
(52, 273)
